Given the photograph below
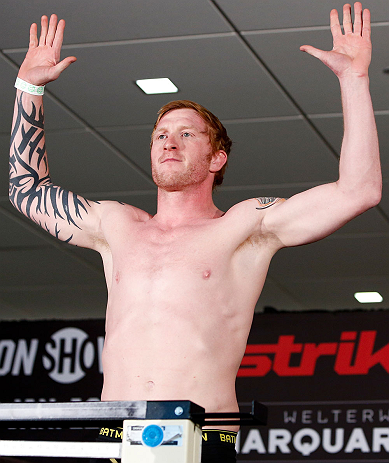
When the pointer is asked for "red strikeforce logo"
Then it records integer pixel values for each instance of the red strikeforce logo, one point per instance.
(353, 355)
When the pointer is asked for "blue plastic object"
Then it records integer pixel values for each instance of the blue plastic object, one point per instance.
(152, 435)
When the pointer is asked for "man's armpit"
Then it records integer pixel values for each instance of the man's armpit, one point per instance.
(267, 201)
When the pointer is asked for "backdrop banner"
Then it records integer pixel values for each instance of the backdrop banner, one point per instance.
(324, 377)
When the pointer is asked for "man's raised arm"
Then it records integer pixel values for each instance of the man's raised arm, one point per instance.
(65, 215)
(316, 213)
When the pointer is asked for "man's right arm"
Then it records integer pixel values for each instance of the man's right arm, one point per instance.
(65, 215)
(62, 213)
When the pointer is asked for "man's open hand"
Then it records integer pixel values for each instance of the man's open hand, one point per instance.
(351, 53)
(42, 62)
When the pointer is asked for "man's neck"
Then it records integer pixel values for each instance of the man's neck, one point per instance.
(177, 208)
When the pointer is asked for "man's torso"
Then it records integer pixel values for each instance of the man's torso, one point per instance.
(180, 306)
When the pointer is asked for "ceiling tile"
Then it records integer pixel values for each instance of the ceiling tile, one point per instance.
(332, 129)
(254, 14)
(13, 235)
(99, 20)
(134, 142)
(81, 163)
(43, 267)
(334, 257)
(384, 204)
(277, 152)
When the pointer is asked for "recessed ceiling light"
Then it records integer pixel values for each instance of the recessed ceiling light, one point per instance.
(155, 86)
(366, 297)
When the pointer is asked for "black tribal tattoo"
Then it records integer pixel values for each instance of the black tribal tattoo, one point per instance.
(30, 187)
(265, 202)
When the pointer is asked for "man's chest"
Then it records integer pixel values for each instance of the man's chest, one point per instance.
(149, 267)
(149, 249)
(212, 250)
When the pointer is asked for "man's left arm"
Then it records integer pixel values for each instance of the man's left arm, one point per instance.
(314, 214)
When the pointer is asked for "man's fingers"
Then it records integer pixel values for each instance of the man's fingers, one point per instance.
(366, 29)
(335, 25)
(44, 26)
(62, 65)
(33, 36)
(357, 18)
(347, 22)
(312, 51)
(58, 39)
(55, 71)
(361, 25)
(52, 29)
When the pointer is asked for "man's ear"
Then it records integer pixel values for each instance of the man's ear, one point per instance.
(219, 158)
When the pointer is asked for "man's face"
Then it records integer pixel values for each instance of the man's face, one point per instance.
(181, 151)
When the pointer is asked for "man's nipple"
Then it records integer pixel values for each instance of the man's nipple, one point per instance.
(206, 274)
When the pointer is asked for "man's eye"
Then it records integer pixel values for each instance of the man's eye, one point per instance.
(161, 137)
(186, 134)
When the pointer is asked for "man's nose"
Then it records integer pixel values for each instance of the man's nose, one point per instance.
(171, 143)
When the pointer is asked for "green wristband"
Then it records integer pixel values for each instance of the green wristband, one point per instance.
(29, 88)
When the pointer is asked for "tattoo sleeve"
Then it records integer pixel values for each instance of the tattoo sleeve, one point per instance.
(31, 191)
(265, 202)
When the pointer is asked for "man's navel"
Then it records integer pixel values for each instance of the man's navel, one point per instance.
(150, 385)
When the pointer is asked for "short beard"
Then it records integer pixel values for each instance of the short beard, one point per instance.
(177, 181)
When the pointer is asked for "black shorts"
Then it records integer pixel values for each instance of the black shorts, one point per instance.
(217, 447)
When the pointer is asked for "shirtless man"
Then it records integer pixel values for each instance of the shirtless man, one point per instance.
(183, 284)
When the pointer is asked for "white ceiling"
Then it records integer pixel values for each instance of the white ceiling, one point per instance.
(242, 61)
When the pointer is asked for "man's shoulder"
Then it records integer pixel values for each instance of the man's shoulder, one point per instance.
(119, 210)
(249, 206)
(247, 217)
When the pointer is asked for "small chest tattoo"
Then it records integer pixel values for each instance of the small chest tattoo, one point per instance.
(265, 201)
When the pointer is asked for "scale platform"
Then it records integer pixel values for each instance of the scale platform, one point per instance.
(181, 420)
